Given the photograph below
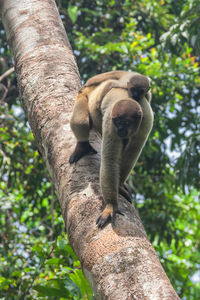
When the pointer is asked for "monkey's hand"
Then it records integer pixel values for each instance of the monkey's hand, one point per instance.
(82, 148)
(107, 215)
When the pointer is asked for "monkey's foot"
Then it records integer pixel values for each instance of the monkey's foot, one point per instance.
(107, 216)
(125, 191)
(81, 149)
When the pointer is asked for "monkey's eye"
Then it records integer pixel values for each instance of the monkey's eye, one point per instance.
(117, 122)
(125, 123)
(141, 91)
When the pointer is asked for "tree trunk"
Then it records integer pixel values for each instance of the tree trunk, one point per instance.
(118, 261)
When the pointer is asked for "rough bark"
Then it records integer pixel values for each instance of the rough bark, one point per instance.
(118, 261)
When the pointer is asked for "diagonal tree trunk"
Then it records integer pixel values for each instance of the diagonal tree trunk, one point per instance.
(118, 261)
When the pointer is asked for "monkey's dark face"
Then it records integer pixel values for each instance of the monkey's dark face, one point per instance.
(138, 86)
(126, 117)
(138, 93)
(124, 126)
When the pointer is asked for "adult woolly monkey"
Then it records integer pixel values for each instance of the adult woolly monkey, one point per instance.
(117, 105)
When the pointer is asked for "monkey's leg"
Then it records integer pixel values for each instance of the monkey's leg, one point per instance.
(80, 125)
(129, 159)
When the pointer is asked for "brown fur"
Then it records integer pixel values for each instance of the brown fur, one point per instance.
(105, 105)
(127, 80)
(127, 109)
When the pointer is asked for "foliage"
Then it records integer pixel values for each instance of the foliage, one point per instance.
(156, 38)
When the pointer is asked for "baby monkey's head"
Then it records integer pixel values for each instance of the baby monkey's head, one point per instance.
(126, 117)
(138, 86)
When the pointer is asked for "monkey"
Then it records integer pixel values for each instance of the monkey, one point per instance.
(124, 123)
(138, 85)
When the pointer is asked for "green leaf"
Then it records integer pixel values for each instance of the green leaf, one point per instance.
(78, 278)
(4, 282)
(54, 261)
(50, 291)
(73, 13)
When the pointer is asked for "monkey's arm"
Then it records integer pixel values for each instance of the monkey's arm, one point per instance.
(129, 159)
(109, 178)
(95, 80)
(136, 143)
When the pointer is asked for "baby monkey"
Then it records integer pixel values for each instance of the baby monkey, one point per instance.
(117, 105)
(138, 85)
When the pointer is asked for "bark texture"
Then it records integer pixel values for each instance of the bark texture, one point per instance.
(118, 261)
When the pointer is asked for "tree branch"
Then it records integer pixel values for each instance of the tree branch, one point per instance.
(7, 73)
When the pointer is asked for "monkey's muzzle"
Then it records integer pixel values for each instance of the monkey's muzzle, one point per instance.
(122, 132)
